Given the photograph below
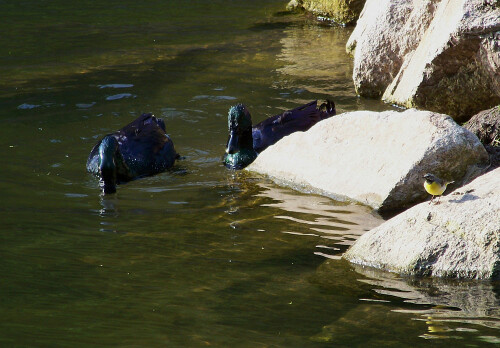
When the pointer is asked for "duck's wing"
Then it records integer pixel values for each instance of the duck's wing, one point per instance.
(143, 123)
(271, 130)
(145, 146)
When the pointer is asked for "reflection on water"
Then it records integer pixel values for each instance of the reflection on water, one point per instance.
(315, 53)
(441, 312)
(448, 307)
(340, 224)
(316, 61)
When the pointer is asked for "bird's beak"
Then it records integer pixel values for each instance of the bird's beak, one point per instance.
(232, 143)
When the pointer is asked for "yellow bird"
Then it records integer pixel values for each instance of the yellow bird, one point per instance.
(434, 185)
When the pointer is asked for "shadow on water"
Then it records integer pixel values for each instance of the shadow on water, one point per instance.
(179, 65)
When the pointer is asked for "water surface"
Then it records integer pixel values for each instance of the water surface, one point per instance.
(197, 256)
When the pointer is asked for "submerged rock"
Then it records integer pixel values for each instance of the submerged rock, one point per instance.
(375, 158)
(460, 237)
(340, 11)
(439, 55)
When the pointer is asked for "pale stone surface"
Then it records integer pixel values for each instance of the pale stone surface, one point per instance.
(441, 55)
(375, 158)
(385, 32)
(460, 237)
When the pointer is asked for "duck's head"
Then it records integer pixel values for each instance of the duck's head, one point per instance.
(239, 149)
(107, 164)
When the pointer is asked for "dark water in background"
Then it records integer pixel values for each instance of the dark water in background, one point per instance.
(199, 256)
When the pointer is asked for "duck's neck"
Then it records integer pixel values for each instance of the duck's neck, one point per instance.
(245, 154)
(107, 164)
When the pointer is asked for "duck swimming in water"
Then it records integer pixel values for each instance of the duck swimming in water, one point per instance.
(139, 149)
(246, 142)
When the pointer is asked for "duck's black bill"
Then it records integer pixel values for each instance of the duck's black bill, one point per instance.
(232, 144)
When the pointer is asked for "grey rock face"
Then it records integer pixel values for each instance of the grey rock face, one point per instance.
(441, 55)
(486, 126)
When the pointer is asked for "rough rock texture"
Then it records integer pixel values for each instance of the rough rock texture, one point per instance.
(385, 32)
(340, 11)
(486, 126)
(441, 55)
(460, 237)
(494, 152)
(375, 158)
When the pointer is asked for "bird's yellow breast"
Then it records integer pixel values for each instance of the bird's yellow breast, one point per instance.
(434, 188)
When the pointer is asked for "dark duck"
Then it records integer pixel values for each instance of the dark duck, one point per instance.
(139, 149)
(246, 142)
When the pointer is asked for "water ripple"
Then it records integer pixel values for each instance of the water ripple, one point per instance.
(27, 106)
(117, 85)
(121, 96)
(338, 223)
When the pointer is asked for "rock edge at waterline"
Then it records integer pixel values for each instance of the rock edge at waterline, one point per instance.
(340, 11)
(458, 238)
(376, 158)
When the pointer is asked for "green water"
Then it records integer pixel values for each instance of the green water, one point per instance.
(198, 256)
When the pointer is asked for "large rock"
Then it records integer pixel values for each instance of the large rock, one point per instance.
(375, 158)
(460, 237)
(441, 55)
(341, 11)
(385, 32)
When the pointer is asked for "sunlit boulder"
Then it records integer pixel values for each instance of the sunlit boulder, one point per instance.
(438, 55)
(376, 158)
(460, 237)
